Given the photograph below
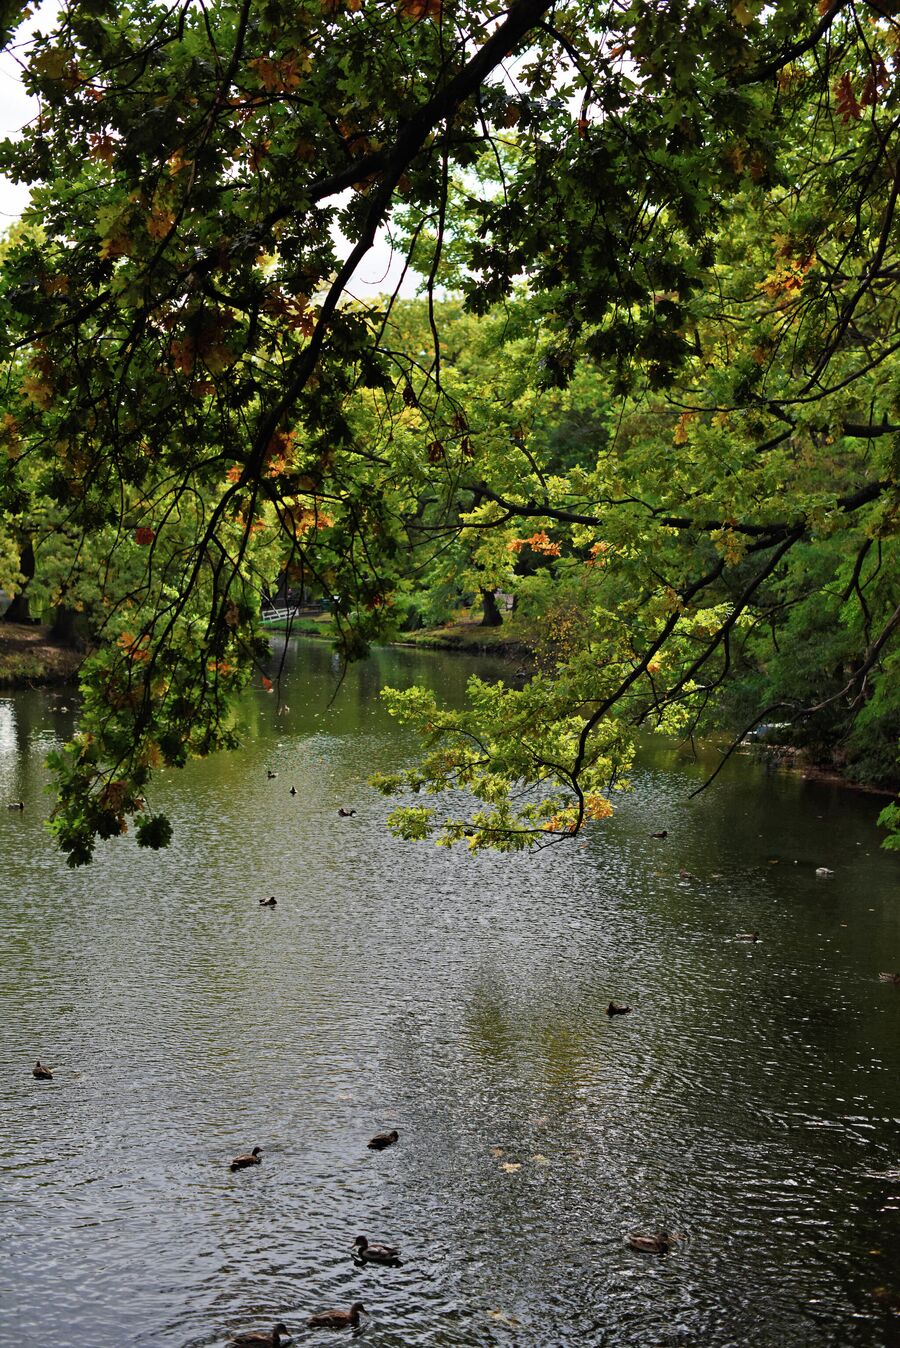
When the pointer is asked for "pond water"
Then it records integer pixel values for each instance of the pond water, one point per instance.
(750, 1102)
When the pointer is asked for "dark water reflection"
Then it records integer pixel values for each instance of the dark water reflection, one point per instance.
(751, 1101)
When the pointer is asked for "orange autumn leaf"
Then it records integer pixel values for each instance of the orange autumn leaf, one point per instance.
(420, 9)
(538, 542)
(102, 146)
(681, 430)
(845, 100)
(597, 807)
(267, 684)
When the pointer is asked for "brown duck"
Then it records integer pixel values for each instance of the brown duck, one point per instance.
(382, 1140)
(337, 1319)
(614, 1009)
(367, 1253)
(250, 1158)
(258, 1338)
(268, 903)
(659, 1242)
(41, 1072)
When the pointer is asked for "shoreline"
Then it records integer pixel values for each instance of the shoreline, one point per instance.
(29, 659)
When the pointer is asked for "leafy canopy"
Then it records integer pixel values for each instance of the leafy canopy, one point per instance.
(667, 414)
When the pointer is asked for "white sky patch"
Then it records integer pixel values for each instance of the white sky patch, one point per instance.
(379, 272)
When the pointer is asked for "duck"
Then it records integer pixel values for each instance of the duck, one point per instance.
(686, 875)
(747, 936)
(372, 1253)
(41, 1072)
(251, 1158)
(16, 805)
(271, 902)
(657, 1243)
(614, 1009)
(345, 814)
(293, 791)
(260, 1338)
(823, 872)
(337, 1319)
(382, 1140)
(271, 775)
(663, 833)
(890, 978)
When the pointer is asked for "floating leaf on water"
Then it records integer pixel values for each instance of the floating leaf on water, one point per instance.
(510, 1166)
(539, 1159)
(496, 1151)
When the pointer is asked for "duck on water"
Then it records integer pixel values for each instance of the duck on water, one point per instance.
(249, 1158)
(365, 1252)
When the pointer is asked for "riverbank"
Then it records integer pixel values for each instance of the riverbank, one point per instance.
(30, 659)
(469, 638)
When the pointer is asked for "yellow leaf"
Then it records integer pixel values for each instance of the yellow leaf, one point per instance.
(681, 430)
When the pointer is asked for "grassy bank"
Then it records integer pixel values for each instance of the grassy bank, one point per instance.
(29, 659)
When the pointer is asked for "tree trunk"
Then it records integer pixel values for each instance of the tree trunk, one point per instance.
(65, 629)
(18, 611)
(492, 615)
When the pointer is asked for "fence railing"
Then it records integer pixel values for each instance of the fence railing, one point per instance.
(279, 615)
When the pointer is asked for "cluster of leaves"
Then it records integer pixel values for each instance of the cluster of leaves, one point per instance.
(676, 418)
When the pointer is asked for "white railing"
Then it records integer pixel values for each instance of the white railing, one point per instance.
(279, 615)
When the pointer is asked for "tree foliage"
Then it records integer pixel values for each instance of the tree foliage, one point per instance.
(667, 411)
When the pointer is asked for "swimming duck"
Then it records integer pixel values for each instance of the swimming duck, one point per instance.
(271, 775)
(890, 978)
(823, 872)
(368, 1253)
(251, 1158)
(268, 903)
(686, 875)
(657, 1243)
(41, 1072)
(747, 936)
(345, 814)
(382, 1140)
(614, 1009)
(293, 791)
(16, 805)
(260, 1338)
(663, 833)
(337, 1319)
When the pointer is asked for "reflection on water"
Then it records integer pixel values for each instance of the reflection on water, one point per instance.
(750, 1102)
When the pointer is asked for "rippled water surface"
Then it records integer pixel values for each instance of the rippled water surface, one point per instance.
(750, 1102)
